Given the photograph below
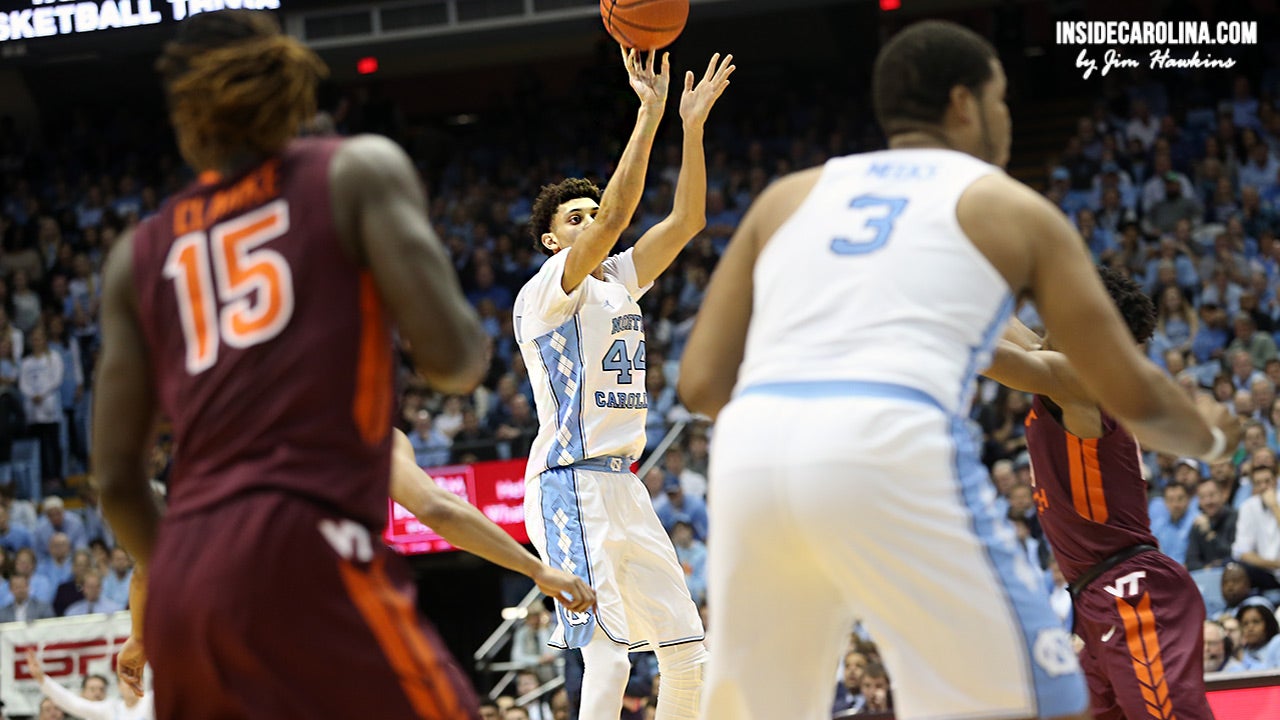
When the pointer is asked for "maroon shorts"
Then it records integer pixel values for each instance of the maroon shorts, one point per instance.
(272, 607)
(1142, 623)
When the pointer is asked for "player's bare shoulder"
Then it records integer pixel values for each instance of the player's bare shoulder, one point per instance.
(778, 202)
(364, 168)
(1005, 220)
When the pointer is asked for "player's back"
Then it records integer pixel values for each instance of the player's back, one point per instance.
(872, 279)
(269, 347)
(1089, 492)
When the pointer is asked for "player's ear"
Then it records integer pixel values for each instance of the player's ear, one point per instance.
(964, 104)
(549, 242)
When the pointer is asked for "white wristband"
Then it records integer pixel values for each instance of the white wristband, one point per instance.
(1219, 445)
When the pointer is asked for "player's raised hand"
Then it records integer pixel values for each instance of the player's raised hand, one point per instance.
(649, 83)
(130, 663)
(33, 664)
(696, 101)
(569, 590)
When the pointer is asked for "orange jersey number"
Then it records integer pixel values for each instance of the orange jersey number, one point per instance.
(253, 285)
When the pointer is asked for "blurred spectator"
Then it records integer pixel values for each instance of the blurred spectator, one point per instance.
(849, 689)
(72, 590)
(692, 554)
(876, 693)
(1260, 347)
(694, 484)
(1259, 644)
(50, 711)
(57, 564)
(126, 707)
(1217, 649)
(1174, 530)
(56, 519)
(527, 682)
(430, 446)
(13, 537)
(529, 649)
(93, 601)
(115, 584)
(25, 608)
(40, 379)
(681, 507)
(1213, 531)
(1257, 543)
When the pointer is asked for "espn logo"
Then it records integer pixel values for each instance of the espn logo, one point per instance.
(69, 658)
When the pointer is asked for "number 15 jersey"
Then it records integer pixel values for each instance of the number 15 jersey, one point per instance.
(268, 343)
(892, 291)
(586, 358)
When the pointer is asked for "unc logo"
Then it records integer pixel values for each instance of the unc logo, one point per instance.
(1053, 653)
(577, 618)
(615, 464)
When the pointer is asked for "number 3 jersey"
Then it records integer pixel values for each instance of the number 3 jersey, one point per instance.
(270, 352)
(891, 289)
(586, 358)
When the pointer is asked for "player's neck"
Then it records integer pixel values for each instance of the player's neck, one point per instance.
(918, 139)
(238, 162)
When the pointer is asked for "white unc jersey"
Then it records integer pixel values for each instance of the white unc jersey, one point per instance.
(585, 353)
(872, 279)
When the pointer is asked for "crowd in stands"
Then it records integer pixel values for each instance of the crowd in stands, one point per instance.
(1183, 198)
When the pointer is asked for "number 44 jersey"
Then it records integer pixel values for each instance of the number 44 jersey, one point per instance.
(270, 352)
(893, 290)
(586, 358)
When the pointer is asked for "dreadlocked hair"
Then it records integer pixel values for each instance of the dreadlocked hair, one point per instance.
(551, 197)
(1135, 307)
(235, 83)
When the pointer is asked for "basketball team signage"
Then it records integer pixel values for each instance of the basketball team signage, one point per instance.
(48, 18)
(496, 487)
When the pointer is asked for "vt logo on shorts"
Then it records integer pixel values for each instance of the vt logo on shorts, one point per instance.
(1126, 586)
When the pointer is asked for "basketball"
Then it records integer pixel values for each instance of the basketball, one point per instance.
(644, 24)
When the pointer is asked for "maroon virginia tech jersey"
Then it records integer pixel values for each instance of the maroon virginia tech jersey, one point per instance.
(1089, 492)
(268, 344)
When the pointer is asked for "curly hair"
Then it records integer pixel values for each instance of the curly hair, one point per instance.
(551, 197)
(1134, 305)
(235, 83)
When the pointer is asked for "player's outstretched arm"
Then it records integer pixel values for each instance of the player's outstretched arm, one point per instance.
(380, 211)
(67, 700)
(124, 410)
(658, 247)
(1041, 372)
(1036, 248)
(463, 525)
(622, 195)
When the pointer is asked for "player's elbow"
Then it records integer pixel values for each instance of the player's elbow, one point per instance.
(700, 392)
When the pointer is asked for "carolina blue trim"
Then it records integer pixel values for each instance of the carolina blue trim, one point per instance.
(604, 464)
(558, 382)
(842, 388)
(559, 489)
(1059, 686)
(980, 356)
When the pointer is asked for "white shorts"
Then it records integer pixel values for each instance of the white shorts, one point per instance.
(835, 503)
(602, 528)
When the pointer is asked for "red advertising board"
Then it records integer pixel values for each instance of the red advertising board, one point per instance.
(497, 488)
